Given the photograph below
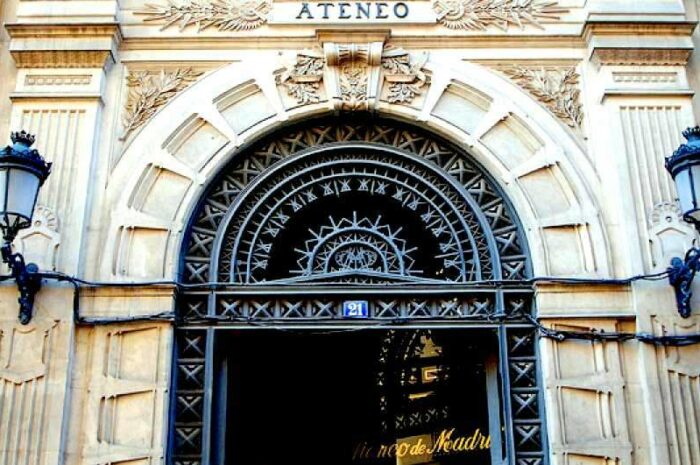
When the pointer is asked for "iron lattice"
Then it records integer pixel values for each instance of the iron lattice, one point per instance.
(249, 212)
(242, 214)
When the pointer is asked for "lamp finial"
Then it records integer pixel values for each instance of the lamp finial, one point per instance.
(23, 138)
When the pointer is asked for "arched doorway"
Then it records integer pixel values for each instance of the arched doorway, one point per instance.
(360, 223)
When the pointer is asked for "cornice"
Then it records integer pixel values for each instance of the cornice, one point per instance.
(301, 42)
(63, 45)
(636, 28)
(353, 35)
(666, 42)
(57, 30)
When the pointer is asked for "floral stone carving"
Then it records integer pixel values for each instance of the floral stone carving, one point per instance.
(224, 15)
(480, 14)
(148, 92)
(556, 88)
(405, 77)
(353, 86)
(303, 79)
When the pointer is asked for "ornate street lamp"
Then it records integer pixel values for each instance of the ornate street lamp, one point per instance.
(684, 166)
(22, 172)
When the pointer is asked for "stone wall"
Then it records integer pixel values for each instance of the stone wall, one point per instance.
(572, 114)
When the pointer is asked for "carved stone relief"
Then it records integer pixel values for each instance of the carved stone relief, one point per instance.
(481, 14)
(356, 69)
(641, 56)
(404, 75)
(57, 79)
(24, 354)
(39, 243)
(29, 413)
(669, 235)
(150, 91)
(646, 77)
(556, 88)
(224, 15)
(303, 78)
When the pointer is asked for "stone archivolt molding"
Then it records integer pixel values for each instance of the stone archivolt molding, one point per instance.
(555, 87)
(224, 15)
(481, 14)
(149, 91)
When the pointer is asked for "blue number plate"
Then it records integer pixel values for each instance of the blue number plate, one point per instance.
(355, 309)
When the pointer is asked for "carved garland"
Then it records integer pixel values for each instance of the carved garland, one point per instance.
(224, 15)
(556, 88)
(148, 92)
(480, 14)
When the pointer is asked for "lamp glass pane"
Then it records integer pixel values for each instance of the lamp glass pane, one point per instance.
(685, 193)
(23, 187)
(3, 189)
(695, 179)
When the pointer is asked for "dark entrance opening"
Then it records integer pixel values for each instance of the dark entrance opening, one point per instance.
(365, 397)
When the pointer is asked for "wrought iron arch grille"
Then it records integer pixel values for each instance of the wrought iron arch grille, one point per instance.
(371, 209)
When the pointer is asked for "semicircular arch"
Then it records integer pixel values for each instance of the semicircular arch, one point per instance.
(534, 160)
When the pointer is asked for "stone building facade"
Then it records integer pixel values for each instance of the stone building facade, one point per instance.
(552, 117)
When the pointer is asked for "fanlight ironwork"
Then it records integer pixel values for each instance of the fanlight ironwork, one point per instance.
(365, 209)
(383, 168)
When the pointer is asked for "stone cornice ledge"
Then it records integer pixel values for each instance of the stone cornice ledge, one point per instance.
(616, 27)
(584, 301)
(64, 45)
(666, 42)
(120, 302)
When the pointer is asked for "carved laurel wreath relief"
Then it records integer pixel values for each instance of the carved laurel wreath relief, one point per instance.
(150, 91)
(557, 88)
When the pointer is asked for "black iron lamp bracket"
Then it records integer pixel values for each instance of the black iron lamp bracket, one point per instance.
(28, 281)
(683, 165)
(681, 274)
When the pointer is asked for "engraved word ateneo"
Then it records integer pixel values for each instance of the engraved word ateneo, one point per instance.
(353, 10)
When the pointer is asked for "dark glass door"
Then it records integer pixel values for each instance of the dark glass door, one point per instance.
(362, 397)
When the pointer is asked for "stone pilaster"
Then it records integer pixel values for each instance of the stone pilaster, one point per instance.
(58, 97)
